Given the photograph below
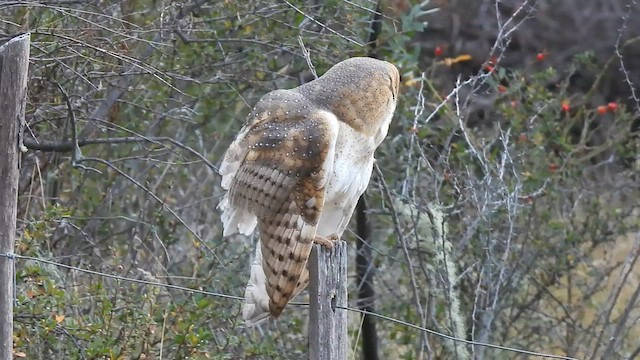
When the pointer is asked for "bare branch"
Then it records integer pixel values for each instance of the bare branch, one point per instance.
(67, 146)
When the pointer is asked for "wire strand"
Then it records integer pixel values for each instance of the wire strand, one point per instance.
(239, 298)
(122, 278)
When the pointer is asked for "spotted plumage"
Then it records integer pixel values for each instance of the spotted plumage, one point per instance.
(297, 168)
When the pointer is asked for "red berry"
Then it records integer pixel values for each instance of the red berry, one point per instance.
(438, 51)
(613, 106)
(540, 56)
(565, 106)
(602, 109)
(553, 167)
(491, 64)
(523, 138)
(502, 88)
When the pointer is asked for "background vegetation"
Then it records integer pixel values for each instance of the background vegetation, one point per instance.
(516, 135)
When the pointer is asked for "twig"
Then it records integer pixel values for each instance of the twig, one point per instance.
(307, 56)
(155, 197)
(403, 243)
(66, 146)
(321, 24)
(188, 40)
(630, 262)
(76, 154)
(623, 67)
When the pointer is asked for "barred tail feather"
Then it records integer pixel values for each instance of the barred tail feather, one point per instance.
(256, 299)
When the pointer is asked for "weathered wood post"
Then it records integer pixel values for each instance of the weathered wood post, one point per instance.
(14, 62)
(327, 292)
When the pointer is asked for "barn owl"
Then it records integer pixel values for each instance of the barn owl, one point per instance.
(297, 169)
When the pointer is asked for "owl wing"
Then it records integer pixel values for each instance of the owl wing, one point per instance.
(281, 181)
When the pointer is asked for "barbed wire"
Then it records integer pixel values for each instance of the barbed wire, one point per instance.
(13, 257)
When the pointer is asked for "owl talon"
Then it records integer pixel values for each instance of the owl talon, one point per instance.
(327, 242)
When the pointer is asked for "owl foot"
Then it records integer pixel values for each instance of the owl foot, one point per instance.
(327, 242)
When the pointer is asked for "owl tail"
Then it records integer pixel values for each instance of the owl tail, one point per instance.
(256, 299)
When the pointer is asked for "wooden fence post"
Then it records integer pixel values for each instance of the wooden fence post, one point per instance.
(327, 291)
(14, 62)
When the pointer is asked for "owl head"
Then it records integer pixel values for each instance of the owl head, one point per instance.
(362, 92)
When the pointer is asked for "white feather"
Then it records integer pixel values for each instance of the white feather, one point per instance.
(351, 170)
(234, 220)
(256, 306)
